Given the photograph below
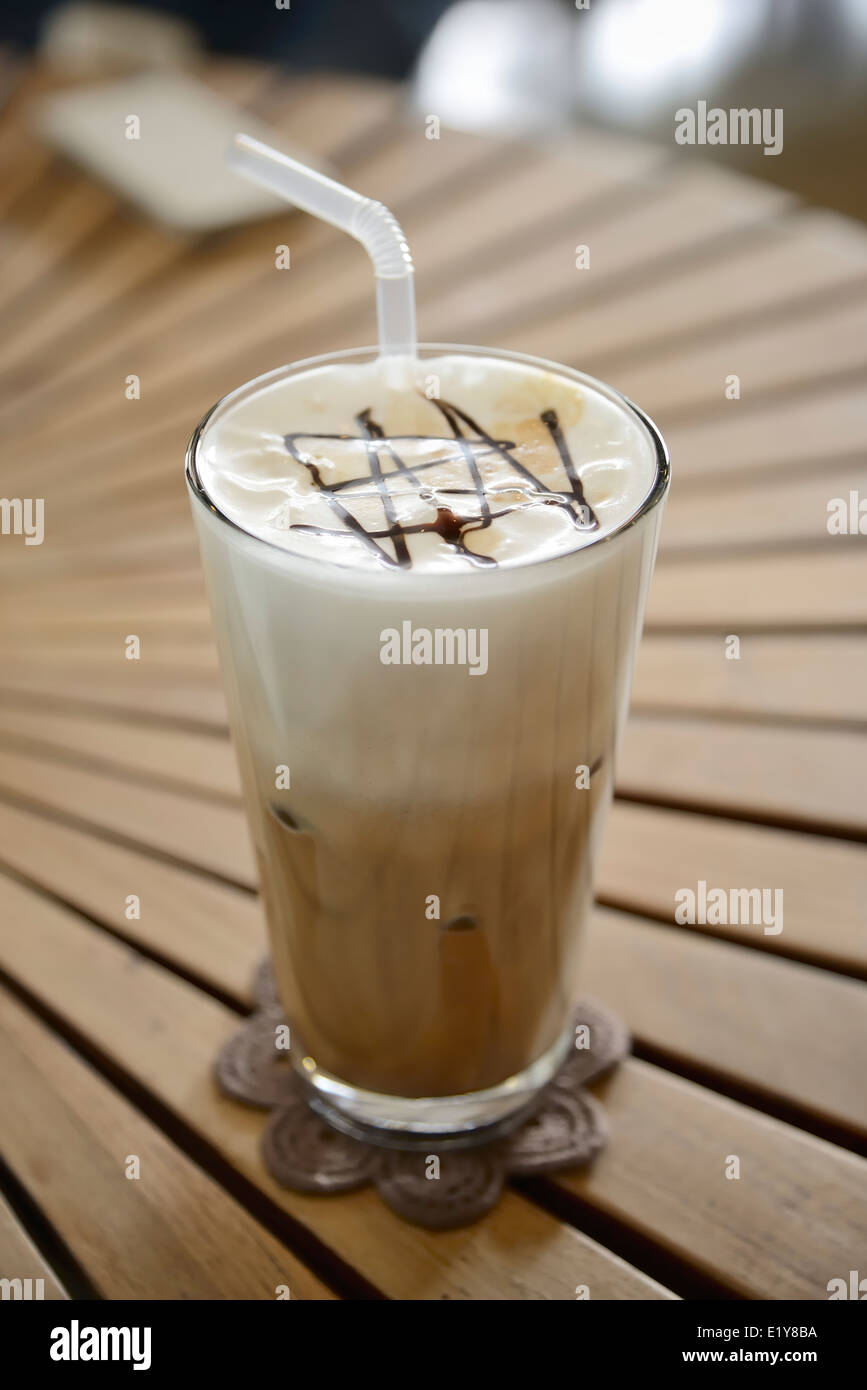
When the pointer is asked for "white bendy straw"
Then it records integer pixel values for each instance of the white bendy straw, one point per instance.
(369, 222)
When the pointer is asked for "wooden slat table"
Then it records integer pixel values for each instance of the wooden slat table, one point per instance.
(117, 777)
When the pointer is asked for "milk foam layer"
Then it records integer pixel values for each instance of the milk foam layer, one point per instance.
(451, 463)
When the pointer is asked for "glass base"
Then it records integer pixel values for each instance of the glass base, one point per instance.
(476, 1117)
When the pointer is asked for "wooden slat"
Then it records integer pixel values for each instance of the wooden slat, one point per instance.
(49, 248)
(195, 659)
(137, 255)
(809, 777)
(77, 554)
(20, 1259)
(183, 758)
(778, 511)
(787, 259)
(176, 595)
(172, 544)
(22, 175)
(147, 617)
(32, 252)
(106, 686)
(166, 1034)
(782, 1029)
(677, 215)
(690, 379)
(171, 1233)
(800, 432)
(409, 166)
(820, 676)
(788, 590)
(795, 1218)
(173, 823)
(328, 115)
(144, 468)
(211, 930)
(649, 854)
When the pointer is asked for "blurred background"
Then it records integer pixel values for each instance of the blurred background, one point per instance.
(525, 66)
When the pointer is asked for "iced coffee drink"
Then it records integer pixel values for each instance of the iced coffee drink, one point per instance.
(427, 582)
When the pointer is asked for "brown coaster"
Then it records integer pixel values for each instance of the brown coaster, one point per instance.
(438, 1189)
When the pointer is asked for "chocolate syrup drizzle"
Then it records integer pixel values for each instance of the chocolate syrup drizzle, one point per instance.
(450, 524)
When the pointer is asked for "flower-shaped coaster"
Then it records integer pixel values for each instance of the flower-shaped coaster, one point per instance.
(435, 1186)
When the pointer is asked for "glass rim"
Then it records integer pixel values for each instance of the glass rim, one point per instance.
(654, 496)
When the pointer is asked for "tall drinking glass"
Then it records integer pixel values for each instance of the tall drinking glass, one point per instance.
(427, 757)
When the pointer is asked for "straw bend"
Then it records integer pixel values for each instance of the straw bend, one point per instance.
(368, 221)
(382, 237)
